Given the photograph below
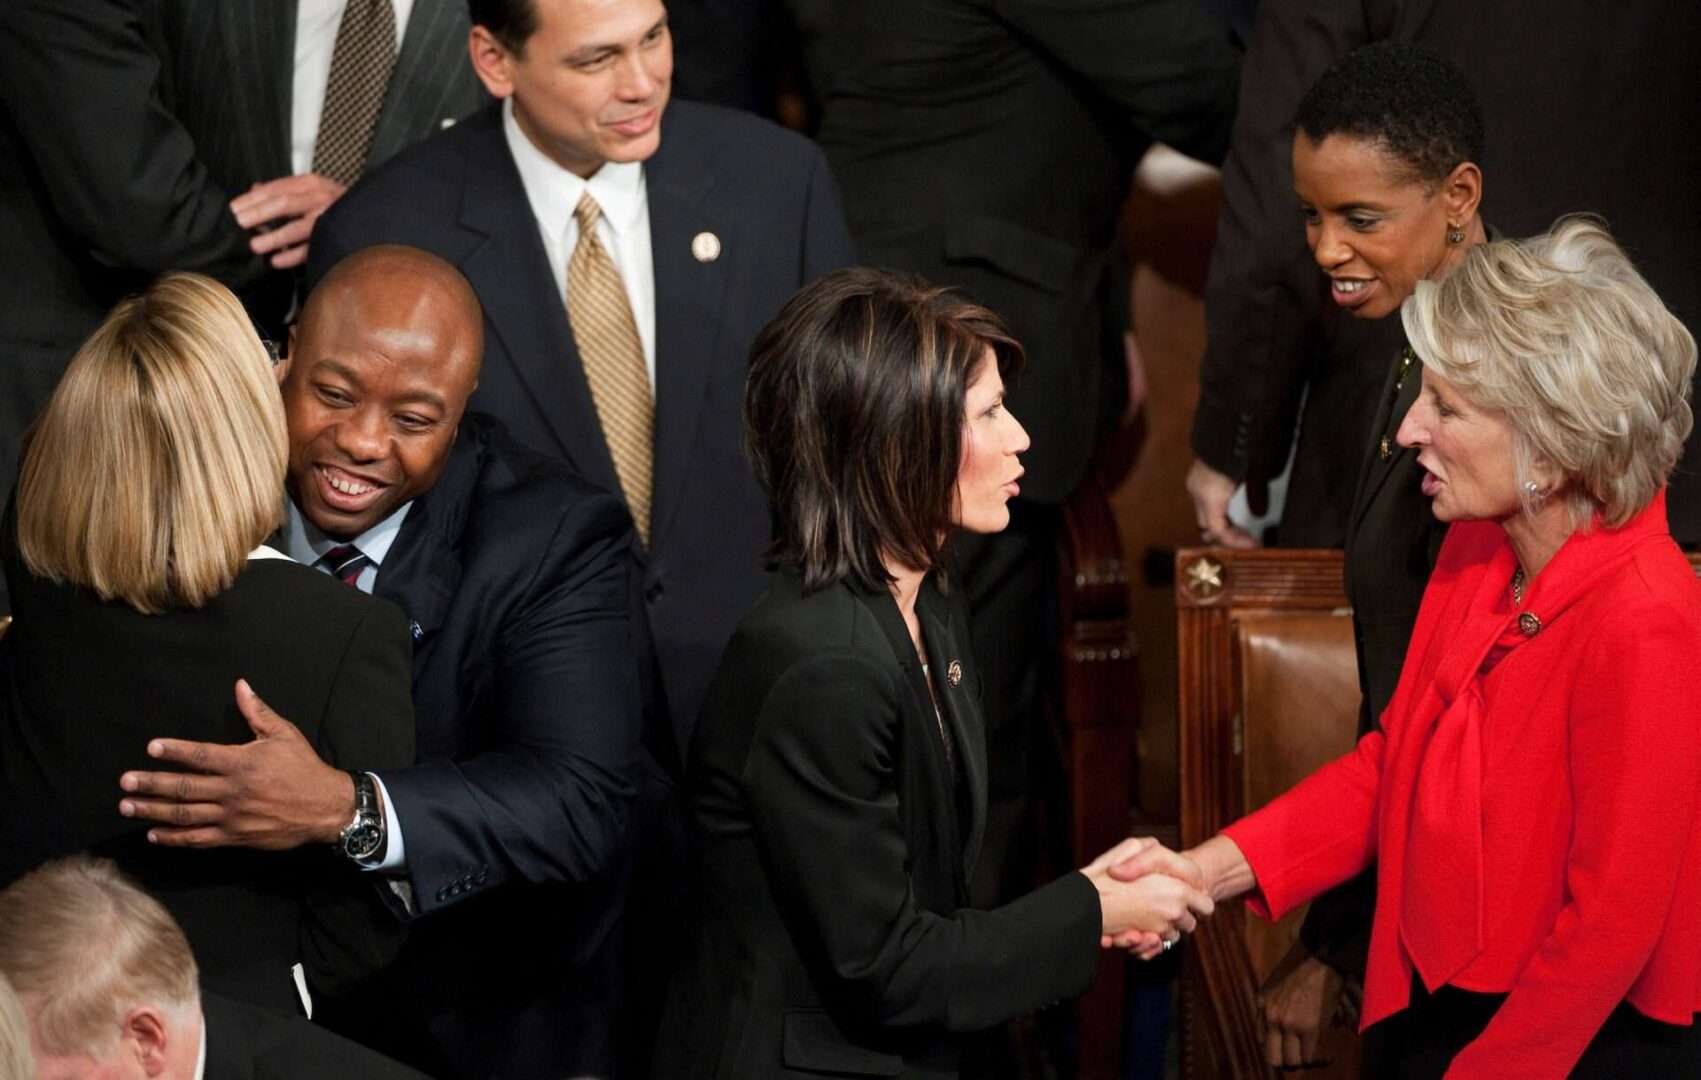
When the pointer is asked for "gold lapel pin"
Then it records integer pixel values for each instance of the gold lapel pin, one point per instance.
(954, 672)
(706, 247)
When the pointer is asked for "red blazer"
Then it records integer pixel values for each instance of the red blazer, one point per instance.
(1531, 799)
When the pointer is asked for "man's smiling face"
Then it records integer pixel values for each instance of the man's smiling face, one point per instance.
(377, 378)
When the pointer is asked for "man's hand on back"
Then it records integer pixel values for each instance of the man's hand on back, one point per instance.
(273, 793)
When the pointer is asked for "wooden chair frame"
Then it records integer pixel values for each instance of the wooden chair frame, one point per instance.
(1222, 1033)
(1099, 668)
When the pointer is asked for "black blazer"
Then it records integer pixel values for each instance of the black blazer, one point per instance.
(88, 682)
(514, 574)
(766, 194)
(1588, 107)
(246, 1043)
(836, 840)
(990, 144)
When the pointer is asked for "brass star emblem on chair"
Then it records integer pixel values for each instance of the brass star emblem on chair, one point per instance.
(1204, 577)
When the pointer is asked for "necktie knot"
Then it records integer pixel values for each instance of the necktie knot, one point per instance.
(345, 563)
(587, 213)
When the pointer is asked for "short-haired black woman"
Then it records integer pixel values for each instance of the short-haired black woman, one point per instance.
(1385, 151)
(837, 777)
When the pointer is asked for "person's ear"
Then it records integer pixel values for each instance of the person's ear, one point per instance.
(1461, 194)
(146, 1039)
(492, 62)
(281, 368)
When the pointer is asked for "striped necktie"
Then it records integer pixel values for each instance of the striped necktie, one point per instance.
(361, 63)
(613, 358)
(345, 563)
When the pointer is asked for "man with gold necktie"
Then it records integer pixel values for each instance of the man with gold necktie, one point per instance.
(626, 249)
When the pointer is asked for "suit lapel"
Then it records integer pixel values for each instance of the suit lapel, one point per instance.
(510, 273)
(433, 49)
(259, 36)
(954, 683)
(421, 574)
(688, 290)
(1395, 399)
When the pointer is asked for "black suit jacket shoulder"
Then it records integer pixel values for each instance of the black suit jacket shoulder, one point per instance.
(836, 834)
(247, 1043)
(89, 682)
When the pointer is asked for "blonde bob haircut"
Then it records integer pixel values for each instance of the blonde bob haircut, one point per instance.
(16, 1060)
(158, 464)
(1561, 335)
(83, 946)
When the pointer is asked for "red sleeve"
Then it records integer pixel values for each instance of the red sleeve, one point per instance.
(1317, 835)
(1635, 753)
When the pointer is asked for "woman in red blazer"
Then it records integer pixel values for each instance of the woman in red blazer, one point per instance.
(1531, 799)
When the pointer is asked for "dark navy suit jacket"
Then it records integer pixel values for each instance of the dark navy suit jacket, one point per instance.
(514, 574)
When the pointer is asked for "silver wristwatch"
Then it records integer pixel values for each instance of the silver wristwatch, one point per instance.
(362, 839)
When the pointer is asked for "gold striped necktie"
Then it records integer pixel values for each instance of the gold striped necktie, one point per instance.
(361, 63)
(613, 357)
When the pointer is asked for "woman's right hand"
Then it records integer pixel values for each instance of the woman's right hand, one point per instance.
(1155, 904)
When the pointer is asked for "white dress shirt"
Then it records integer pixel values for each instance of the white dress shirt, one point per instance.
(624, 229)
(304, 543)
(316, 23)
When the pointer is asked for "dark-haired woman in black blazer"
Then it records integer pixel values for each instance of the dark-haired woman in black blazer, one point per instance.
(837, 777)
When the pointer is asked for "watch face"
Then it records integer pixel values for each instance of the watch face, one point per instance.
(363, 841)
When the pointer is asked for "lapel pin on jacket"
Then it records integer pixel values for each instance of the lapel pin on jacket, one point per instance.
(954, 672)
(706, 247)
(417, 631)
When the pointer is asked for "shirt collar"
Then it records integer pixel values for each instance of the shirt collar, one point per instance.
(306, 544)
(618, 187)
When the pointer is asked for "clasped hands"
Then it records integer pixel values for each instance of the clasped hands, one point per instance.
(1148, 896)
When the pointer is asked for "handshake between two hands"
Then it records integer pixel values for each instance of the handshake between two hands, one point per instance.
(1148, 896)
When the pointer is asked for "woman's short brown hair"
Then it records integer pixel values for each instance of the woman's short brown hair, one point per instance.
(853, 419)
(158, 463)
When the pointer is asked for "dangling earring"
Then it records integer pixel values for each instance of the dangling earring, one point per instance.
(1455, 235)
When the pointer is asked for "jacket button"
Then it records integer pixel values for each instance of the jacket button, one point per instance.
(652, 592)
(442, 894)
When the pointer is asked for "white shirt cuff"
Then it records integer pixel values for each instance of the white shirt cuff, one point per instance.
(395, 854)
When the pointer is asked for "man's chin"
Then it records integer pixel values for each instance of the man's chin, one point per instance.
(341, 524)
